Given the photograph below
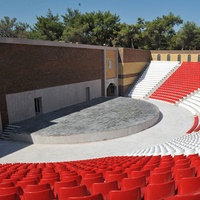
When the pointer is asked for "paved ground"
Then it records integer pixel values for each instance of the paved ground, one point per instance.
(174, 122)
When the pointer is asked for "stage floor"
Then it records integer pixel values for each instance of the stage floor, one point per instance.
(98, 119)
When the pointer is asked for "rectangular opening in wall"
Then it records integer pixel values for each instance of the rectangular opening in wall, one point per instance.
(110, 64)
(38, 105)
(87, 89)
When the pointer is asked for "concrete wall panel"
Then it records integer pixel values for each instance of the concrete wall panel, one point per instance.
(20, 106)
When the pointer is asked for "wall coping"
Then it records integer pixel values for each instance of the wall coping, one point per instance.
(51, 43)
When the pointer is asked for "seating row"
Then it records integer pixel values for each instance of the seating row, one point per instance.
(183, 81)
(192, 103)
(186, 144)
(108, 178)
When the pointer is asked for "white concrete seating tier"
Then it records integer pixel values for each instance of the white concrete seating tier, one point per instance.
(192, 103)
(155, 74)
(186, 144)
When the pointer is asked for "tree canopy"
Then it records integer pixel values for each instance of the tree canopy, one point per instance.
(104, 28)
(12, 28)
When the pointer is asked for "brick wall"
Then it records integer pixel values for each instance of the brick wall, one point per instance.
(28, 67)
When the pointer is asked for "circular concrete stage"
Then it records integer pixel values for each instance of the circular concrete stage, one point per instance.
(95, 120)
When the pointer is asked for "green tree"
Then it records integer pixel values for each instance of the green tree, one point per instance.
(12, 28)
(159, 33)
(106, 27)
(47, 28)
(75, 27)
(98, 28)
(188, 37)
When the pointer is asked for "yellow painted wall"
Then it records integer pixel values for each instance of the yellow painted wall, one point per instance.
(111, 65)
(174, 55)
(126, 81)
(131, 63)
(131, 68)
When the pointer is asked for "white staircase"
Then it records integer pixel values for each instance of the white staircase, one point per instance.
(155, 74)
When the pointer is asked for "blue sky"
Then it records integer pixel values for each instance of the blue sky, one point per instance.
(128, 10)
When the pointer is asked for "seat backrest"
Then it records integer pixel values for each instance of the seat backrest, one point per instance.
(129, 169)
(104, 188)
(92, 175)
(161, 169)
(9, 184)
(140, 173)
(76, 191)
(90, 197)
(23, 184)
(159, 191)
(77, 178)
(89, 181)
(35, 188)
(181, 166)
(113, 172)
(185, 172)
(14, 180)
(50, 181)
(12, 196)
(160, 177)
(40, 195)
(116, 177)
(189, 185)
(134, 193)
(128, 183)
(59, 184)
(187, 197)
(10, 190)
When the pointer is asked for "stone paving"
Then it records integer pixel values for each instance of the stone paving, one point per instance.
(99, 115)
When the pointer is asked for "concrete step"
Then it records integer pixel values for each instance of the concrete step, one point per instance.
(7, 130)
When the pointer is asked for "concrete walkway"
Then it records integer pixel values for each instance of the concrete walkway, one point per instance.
(175, 121)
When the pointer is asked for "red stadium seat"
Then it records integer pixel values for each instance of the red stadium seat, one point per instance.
(35, 188)
(77, 178)
(130, 194)
(104, 188)
(40, 195)
(189, 185)
(129, 183)
(159, 191)
(116, 177)
(90, 197)
(12, 196)
(181, 173)
(10, 190)
(9, 184)
(160, 177)
(92, 175)
(89, 181)
(76, 191)
(23, 184)
(58, 185)
(185, 197)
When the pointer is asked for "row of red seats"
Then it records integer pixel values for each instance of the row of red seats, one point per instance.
(112, 178)
(183, 81)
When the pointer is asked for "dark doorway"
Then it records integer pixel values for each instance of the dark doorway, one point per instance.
(112, 90)
(38, 106)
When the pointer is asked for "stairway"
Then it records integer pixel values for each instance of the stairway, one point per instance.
(6, 131)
